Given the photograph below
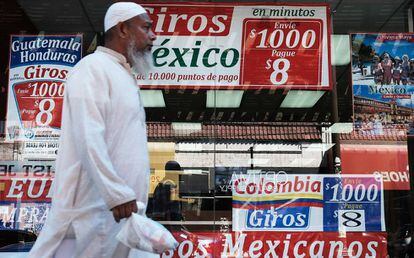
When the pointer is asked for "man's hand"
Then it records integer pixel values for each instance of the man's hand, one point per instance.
(124, 210)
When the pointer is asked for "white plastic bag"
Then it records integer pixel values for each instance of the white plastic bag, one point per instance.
(140, 232)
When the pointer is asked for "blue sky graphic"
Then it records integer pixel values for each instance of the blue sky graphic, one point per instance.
(394, 48)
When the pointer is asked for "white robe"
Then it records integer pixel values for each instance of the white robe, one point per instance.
(103, 157)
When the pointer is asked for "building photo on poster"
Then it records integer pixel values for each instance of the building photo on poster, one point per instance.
(383, 82)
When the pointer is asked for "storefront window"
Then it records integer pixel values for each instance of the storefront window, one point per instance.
(274, 129)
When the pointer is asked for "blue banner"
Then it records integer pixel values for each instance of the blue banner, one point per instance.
(30, 50)
(383, 82)
(312, 203)
(353, 204)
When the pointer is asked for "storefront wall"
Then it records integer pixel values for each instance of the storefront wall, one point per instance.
(274, 129)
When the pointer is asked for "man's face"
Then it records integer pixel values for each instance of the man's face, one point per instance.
(140, 42)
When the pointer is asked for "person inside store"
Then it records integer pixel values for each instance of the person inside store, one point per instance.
(165, 204)
(102, 168)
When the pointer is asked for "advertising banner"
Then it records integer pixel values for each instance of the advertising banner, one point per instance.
(25, 182)
(279, 244)
(24, 216)
(39, 66)
(308, 203)
(387, 161)
(20, 188)
(239, 45)
(40, 149)
(25, 194)
(383, 82)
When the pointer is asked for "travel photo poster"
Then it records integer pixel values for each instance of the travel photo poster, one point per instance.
(383, 82)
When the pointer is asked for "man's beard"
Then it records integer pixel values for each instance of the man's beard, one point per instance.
(141, 60)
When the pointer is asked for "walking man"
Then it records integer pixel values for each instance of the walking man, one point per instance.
(102, 168)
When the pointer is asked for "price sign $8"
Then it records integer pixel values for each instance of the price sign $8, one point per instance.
(351, 219)
(281, 40)
(47, 91)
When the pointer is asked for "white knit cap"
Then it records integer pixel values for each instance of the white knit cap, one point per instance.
(120, 12)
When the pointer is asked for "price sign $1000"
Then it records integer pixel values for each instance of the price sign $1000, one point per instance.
(287, 52)
(40, 102)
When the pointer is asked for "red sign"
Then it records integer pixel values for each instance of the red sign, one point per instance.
(282, 52)
(279, 244)
(40, 102)
(388, 161)
(179, 20)
(25, 188)
(239, 46)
